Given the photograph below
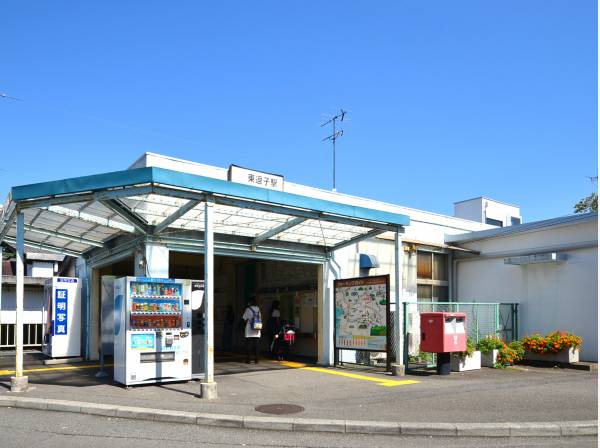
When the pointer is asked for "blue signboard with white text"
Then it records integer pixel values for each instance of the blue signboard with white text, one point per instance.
(61, 313)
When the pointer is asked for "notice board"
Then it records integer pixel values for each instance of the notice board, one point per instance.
(362, 308)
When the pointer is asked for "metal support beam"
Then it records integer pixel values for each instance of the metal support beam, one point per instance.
(64, 236)
(279, 209)
(8, 222)
(281, 228)
(35, 245)
(89, 218)
(1, 273)
(86, 197)
(123, 211)
(208, 388)
(398, 288)
(19, 382)
(357, 239)
(175, 216)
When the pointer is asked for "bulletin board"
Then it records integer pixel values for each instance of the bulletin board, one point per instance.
(362, 310)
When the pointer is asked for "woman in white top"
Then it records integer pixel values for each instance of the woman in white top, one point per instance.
(252, 312)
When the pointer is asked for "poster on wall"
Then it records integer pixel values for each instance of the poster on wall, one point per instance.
(361, 313)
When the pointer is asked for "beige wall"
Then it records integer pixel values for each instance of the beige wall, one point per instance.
(551, 296)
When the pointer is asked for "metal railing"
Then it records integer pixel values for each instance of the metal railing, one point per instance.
(32, 335)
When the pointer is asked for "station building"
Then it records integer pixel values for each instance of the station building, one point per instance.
(246, 232)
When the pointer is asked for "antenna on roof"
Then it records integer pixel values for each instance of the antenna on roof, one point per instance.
(334, 136)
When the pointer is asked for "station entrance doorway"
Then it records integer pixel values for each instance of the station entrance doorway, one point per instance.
(293, 285)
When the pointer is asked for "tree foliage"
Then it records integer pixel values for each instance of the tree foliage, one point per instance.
(587, 204)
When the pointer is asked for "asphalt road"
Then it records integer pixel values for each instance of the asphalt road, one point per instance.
(519, 394)
(25, 428)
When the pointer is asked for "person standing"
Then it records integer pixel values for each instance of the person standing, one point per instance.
(274, 324)
(253, 321)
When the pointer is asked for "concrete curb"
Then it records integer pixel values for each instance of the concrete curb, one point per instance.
(521, 429)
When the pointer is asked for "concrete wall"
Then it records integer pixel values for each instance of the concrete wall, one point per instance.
(551, 296)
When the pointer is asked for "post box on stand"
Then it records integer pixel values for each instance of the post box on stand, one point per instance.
(443, 333)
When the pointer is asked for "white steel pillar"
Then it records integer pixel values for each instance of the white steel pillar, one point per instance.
(208, 388)
(398, 367)
(18, 383)
(1, 274)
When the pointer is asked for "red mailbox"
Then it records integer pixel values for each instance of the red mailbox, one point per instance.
(443, 332)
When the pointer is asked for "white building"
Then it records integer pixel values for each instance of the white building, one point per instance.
(488, 211)
(549, 267)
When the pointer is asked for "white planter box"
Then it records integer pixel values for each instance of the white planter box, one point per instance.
(459, 364)
(488, 359)
(566, 356)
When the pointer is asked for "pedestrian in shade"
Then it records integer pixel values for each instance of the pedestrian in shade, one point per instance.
(253, 320)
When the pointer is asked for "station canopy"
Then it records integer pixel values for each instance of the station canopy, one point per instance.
(79, 215)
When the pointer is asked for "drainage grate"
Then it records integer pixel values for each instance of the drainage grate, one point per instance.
(279, 408)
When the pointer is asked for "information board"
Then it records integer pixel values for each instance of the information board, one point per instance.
(361, 313)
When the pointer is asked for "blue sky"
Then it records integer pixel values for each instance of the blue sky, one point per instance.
(447, 100)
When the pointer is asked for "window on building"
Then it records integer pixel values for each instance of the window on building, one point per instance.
(424, 264)
(515, 221)
(432, 276)
(493, 222)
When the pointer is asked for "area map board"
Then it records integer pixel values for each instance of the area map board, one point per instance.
(361, 313)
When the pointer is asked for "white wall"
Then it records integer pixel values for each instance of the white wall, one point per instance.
(40, 269)
(478, 209)
(32, 304)
(550, 295)
(472, 210)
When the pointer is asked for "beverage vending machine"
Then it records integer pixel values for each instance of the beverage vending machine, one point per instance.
(62, 317)
(152, 330)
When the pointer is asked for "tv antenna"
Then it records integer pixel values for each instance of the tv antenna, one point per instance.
(334, 136)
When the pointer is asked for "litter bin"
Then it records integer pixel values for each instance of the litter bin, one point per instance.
(443, 333)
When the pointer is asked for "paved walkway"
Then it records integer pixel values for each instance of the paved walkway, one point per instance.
(520, 394)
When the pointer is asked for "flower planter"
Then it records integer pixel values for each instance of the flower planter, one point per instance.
(460, 364)
(488, 359)
(566, 356)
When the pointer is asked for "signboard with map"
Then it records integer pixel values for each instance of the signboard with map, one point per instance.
(361, 313)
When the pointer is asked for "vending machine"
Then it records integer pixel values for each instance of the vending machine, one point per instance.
(152, 330)
(62, 317)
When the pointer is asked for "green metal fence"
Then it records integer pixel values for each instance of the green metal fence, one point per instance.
(483, 319)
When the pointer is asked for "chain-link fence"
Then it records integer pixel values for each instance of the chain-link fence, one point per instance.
(483, 319)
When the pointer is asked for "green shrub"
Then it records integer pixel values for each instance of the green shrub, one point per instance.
(489, 343)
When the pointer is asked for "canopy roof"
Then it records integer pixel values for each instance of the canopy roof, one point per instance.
(74, 216)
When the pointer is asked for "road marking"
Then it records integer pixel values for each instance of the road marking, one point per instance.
(381, 381)
(50, 369)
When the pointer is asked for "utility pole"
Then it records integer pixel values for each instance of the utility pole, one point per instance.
(334, 136)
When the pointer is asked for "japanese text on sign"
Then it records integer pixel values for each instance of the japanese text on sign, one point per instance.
(255, 178)
(61, 311)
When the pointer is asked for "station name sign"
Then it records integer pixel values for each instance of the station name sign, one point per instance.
(255, 178)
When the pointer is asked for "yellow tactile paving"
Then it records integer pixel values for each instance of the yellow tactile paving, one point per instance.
(381, 381)
(51, 369)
